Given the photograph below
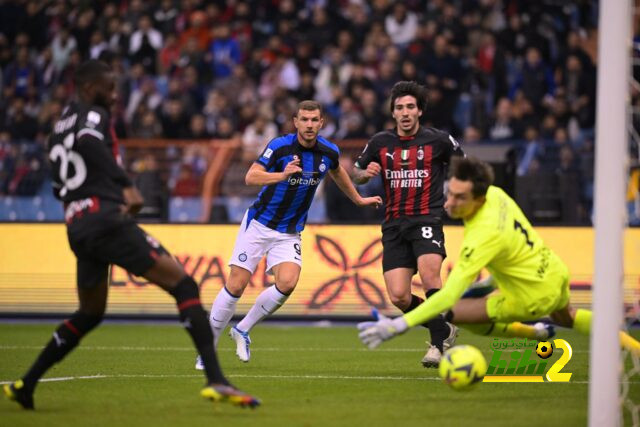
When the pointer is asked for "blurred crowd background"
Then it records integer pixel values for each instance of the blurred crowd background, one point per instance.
(513, 80)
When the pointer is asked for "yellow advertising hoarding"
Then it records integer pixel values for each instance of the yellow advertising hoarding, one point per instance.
(341, 272)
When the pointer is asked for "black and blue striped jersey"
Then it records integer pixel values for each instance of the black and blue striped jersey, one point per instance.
(284, 206)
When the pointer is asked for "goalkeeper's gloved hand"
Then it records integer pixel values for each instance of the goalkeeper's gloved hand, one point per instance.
(372, 334)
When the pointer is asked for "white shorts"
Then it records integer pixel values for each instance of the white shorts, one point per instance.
(257, 240)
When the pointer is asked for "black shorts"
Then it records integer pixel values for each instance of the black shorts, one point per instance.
(405, 239)
(127, 246)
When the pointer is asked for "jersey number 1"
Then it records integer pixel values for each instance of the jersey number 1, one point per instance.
(518, 226)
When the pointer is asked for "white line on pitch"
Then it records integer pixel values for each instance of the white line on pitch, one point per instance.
(295, 377)
(258, 349)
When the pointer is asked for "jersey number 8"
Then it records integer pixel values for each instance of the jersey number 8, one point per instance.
(427, 232)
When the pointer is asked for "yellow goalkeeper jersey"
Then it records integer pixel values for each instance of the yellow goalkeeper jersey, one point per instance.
(500, 238)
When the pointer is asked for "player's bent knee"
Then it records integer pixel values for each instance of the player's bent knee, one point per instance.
(238, 280)
(166, 272)
(287, 285)
(401, 302)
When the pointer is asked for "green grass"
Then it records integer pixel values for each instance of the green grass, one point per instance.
(305, 377)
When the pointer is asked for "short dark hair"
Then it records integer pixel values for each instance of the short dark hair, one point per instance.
(90, 71)
(404, 88)
(309, 105)
(471, 169)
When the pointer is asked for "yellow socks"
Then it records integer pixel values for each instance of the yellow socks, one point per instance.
(510, 330)
(582, 321)
(582, 324)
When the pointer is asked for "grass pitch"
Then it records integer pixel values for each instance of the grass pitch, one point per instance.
(140, 374)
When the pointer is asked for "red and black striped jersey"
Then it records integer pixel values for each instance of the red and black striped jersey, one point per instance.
(414, 169)
(83, 150)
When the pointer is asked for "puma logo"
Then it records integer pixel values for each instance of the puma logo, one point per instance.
(390, 155)
(437, 242)
(59, 341)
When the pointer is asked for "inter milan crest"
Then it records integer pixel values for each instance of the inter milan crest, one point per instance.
(242, 257)
(322, 167)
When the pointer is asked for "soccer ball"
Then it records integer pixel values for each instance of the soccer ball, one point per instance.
(544, 349)
(462, 366)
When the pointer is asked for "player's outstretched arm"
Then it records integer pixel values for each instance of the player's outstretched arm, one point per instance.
(258, 175)
(362, 176)
(341, 178)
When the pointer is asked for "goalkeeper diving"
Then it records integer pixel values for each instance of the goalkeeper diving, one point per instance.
(527, 279)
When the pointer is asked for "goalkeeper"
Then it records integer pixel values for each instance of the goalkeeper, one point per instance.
(528, 280)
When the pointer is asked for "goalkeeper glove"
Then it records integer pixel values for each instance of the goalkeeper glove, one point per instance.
(372, 334)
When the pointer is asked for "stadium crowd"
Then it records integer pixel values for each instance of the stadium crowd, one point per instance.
(497, 71)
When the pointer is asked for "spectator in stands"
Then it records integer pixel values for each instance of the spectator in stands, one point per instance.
(224, 52)
(20, 125)
(333, 76)
(320, 30)
(20, 75)
(197, 35)
(8, 154)
(351, 50)
(146, 125)
(552, 150)
(217, 106)
(169, 55)
(148, 181)
(98, 45)
(401, 25)
(82, 30)
(225, 128)
(256, 136)
(491, 62)
(61, 47)
(188, 184)
(534, 80)
(444, 72)
(580, 88)
(165, 17)
(372, 113)
(531, 152)
(198, 128)
(145, 94)
(472, 136)
(117, 36)
(503, 126)
(174, 120)
(144, 44)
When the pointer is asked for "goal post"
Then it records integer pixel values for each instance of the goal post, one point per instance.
(614, 41)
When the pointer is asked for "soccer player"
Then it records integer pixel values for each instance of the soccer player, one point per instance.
(290, 170)
(99, 201)
(412, 160)
(528, 280)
